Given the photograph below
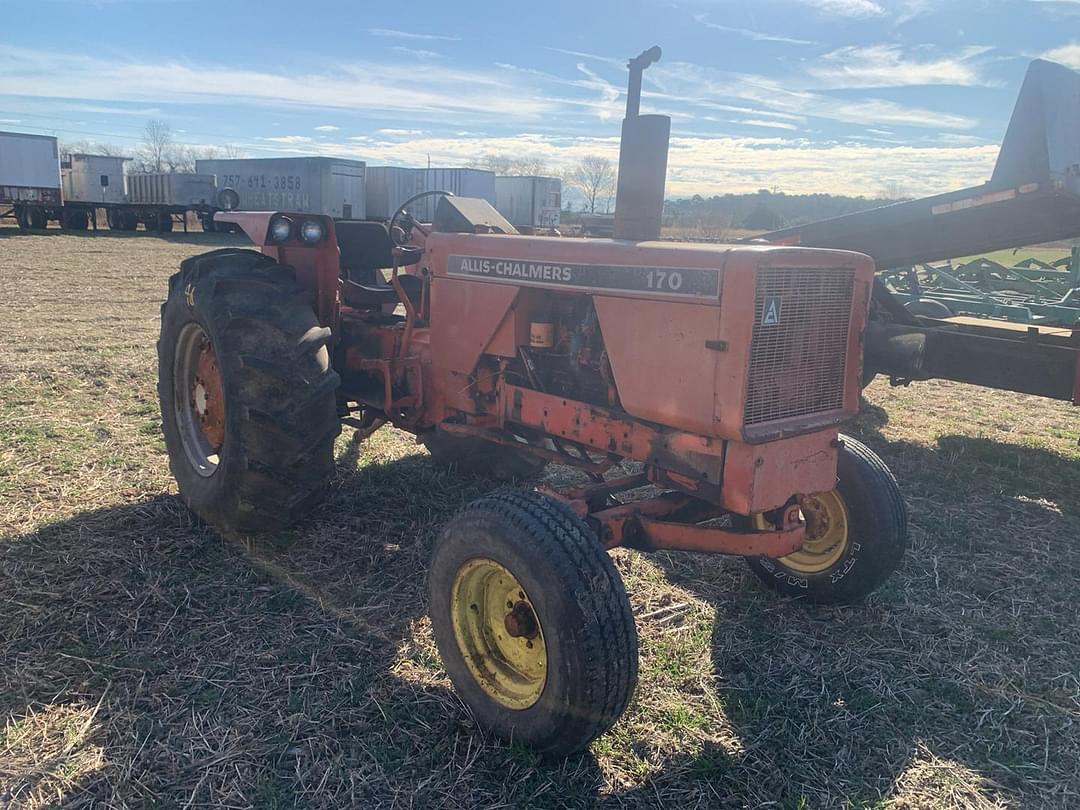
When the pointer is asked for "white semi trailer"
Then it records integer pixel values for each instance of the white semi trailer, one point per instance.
(37, 187)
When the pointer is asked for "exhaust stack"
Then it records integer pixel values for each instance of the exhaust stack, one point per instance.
(643, 153)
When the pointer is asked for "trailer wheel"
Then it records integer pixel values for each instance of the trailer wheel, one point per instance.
(856, 534)
(208, 224)
(532, 622)
(20, 218)
(246, 391)
(128, 221)
(483, 459)
(35, 218)
(164, 223)
(74, 219)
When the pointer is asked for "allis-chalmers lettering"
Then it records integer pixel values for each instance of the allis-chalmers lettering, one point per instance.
(691, 282)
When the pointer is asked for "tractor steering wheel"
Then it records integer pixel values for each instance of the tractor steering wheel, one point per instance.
(411, 222)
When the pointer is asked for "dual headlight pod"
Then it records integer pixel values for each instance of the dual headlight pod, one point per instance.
(283, 229)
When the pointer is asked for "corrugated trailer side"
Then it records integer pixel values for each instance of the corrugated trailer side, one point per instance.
(182, 189)
(29, 168)
(388, 187)
(314, 185)
(529, 202)
(462, 182)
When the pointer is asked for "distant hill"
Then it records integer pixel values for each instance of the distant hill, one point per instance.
(763, 211)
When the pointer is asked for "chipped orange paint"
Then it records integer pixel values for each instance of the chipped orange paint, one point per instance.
(676, 365)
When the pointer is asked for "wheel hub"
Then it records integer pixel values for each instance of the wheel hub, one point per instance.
(207, 398)
(827, 533)
(498, 634)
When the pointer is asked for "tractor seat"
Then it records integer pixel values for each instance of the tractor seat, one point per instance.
(367, 246)
(367, 249)
(376, 296)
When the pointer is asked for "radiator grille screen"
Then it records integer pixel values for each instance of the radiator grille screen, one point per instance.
(799, 346)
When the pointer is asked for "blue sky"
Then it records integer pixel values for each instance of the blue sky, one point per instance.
(851, 96)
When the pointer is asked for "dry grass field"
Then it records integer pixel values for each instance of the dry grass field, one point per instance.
(145, 662)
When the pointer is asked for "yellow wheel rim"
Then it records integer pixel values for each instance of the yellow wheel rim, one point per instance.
(498, 633)
(827, 533)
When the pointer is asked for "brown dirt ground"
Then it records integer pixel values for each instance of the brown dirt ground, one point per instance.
(146, 662)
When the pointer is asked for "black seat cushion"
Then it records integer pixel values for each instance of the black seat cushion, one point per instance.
(375, 296)
(364, 245)
(367, 246)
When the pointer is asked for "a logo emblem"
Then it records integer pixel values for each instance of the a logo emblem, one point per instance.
(189, 295)
(770, 311)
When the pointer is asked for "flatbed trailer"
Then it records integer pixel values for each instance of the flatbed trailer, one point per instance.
(1032, 197)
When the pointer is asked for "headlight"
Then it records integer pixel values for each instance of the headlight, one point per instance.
(281, 229)
(312, 231)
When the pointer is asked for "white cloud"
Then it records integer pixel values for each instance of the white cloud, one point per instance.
(401, 133)
(607, 106)
(10, 120)
(395, 34)
(696, 84)
(752, 122)
(289, 139)
(886, 66)
(358, 86)
(416, 53)
(1066, 54)
(847, 8)
(703, 165)
(757, 36)
(327, 128)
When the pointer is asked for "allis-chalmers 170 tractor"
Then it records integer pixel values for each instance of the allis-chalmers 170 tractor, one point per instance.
(722, 371)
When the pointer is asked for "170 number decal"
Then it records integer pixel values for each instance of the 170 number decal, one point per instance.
(664, 280)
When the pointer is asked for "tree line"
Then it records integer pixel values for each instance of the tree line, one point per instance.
(592, 182)
(158, 152)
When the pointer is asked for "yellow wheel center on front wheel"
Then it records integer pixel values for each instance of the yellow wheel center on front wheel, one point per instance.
(498, 633)
(827, 533)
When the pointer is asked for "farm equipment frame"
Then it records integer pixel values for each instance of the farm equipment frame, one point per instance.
(1032, 197)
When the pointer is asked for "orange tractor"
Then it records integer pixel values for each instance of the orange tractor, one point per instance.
(710, 378)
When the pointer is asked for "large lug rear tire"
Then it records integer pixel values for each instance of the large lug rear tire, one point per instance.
(246, 391)
(477, 457)
(856, 534)
(532, 621)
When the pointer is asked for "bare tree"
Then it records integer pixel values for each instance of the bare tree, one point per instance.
(513, 166)
(69, 148)
(594, 178)
(157, 145)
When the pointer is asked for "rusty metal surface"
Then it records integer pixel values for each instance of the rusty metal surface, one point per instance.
(208, 397)
(640, 525)
(760, 477)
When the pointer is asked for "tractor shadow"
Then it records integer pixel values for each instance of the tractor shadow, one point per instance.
(299, 670)
(292, 671)
(947, 680)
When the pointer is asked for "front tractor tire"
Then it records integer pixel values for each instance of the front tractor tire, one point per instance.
(532, 622)
(856, 534)
(477, 457)
(246, 391)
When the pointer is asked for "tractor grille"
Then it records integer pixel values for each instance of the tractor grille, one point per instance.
(799, 348)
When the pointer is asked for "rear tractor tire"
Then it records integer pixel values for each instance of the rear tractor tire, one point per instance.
(246, 391)
(856, 534)
(476, 457)
(532, 622)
